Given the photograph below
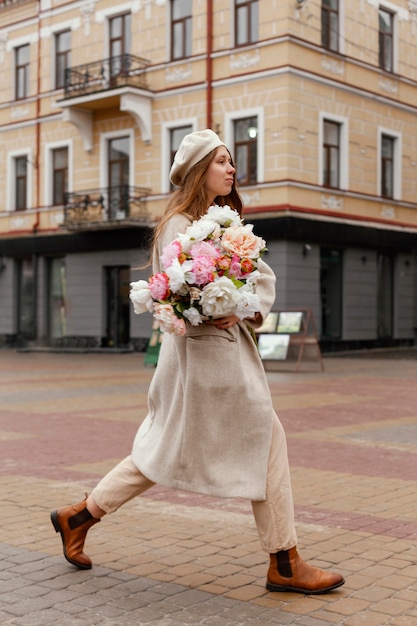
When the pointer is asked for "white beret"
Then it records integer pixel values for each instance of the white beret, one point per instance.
(192, 149)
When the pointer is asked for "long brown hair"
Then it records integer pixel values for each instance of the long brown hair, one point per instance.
(192, 197)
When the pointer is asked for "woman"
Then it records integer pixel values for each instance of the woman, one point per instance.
(211, 426)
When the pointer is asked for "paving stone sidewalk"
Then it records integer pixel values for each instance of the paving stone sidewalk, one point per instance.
(172, 558)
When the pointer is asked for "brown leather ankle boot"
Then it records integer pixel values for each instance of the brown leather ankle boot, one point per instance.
(288, 572)
(73, 523)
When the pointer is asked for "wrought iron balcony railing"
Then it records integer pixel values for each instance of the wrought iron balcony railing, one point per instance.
(118, 71)
(96, 207)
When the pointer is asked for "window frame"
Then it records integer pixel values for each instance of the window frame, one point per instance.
(186, 24)
(383, 37)
(104, 155)
(23, 68)
(329, 11)
(166, 129)
(397, 165)
(250, 6)
(59, 81)
(48, 180)
(11, 177)
(229, 137)
(343, 123)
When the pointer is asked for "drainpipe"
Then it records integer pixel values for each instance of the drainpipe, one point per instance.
(38, 128)
(209, 64)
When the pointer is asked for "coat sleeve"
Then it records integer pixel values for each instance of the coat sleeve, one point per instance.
(265, 288)
(176, 225)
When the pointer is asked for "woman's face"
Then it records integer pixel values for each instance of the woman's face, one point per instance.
(220, 174)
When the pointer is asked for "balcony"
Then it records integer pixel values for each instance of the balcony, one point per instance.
(125, 70)
(108, 208)
(119, 81)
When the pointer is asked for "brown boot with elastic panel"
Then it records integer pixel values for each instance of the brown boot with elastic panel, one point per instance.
(73, 522)
(288, 572)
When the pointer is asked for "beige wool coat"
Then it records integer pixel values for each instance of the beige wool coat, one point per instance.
(209, 425)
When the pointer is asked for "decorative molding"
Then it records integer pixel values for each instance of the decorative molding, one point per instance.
(401, 12)
(83, 120)
(332, 65)
(250, 198)
(3, 41)
(87, 11)
(17, 112)
(244, 60)
(331, 202)
(140, 107)
(388, 85)
(178, 74)
(389, 212)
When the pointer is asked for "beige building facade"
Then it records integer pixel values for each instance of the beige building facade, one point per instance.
(316, 100)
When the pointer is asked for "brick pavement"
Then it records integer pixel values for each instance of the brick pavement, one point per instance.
(173, 558)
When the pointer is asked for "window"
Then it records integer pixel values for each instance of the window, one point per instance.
(246, 22)
(21, 183)
(22, 72)
(62, 57)
(176, 135)
(181, 22)
(120, 43)
(386, 32)
(59, 175)
(387, 166)
(246, 150)
(330, 24)
(331, 154)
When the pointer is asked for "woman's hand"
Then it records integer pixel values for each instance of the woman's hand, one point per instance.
(224, 322)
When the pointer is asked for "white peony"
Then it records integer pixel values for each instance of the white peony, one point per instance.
(223, 215)
(168, 321)
(140, 296)
(219, 298)
(248, 303)
(193, 316)
(199, 231)
(179, 274)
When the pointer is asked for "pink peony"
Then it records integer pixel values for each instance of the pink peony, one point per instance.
(171, 251)
(204, 268)
(204, 248)
(159, 286)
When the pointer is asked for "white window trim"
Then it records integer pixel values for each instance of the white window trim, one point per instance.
(397, 170)
(341, 25)
(393, 9)
(166, 128)
(344, 148)
(48, 180)
(104, 154)
(229, 136)
(11, 177)
(54, 32)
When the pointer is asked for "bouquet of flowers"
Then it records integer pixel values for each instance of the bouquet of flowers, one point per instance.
(209, 271)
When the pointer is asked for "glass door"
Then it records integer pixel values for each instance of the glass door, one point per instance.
(57, 294)
(26, 298)
(331, 293)
(385, 290)
(118, 176)
(117, 314)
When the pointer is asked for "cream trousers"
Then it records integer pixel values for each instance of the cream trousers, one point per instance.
(274, 516)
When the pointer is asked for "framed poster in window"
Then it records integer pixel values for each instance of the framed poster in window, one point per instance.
(270, 324)
(290, 322)
(273, 347)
